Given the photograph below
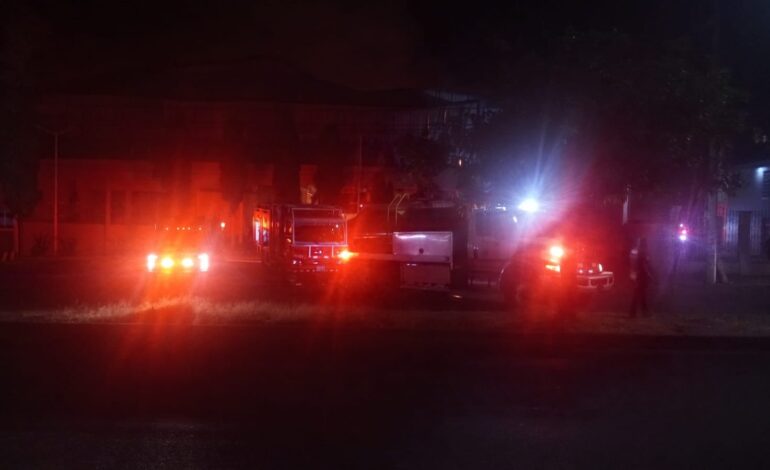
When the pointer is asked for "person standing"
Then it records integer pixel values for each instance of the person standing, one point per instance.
(643, 278)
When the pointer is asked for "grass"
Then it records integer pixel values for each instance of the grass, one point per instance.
(199, 311)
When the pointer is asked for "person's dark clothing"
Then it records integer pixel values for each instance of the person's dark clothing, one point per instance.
(767, 248)
(642, 283)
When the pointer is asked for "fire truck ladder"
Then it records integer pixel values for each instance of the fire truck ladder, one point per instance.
(394, 205)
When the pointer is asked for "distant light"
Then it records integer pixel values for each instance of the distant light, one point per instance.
(682, 236)
(187, 263)
(759, 173)
(529, 205)
(167, 262)
(222, 225)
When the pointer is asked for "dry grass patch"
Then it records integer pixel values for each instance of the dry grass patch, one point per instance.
(199, 311)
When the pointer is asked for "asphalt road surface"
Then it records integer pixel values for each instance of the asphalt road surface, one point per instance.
(172, 394)
(180, 396)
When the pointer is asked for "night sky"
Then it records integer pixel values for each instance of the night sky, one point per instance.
(376, 45)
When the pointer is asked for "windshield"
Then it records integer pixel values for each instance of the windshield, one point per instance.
(319, 233)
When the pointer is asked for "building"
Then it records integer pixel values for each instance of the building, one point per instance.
(113, 206)
(212, 141)
(747, 228)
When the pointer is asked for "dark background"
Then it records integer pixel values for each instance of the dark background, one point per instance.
(379, 44)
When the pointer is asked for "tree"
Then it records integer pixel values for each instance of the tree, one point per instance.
(330, 158)
(610, 111)
(420, 159)
(233, 174)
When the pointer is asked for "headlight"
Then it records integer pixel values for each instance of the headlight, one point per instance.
(203, 262)
(151, 261)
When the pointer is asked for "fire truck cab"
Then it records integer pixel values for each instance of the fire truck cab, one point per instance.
(301, 239)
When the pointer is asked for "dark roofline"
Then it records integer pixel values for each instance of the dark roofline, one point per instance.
(264, 79)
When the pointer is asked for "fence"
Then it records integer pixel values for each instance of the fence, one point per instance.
(84, 239)
(758, 232)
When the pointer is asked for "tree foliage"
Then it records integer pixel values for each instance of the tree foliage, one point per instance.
(604, 112)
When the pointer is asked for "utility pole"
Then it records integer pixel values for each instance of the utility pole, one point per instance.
(712, 194)
(55, 134)
(359, 171)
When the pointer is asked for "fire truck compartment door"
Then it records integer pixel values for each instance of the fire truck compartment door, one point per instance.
(425, 276)
(423, 247)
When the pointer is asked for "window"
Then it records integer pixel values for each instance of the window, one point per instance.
(320, 233)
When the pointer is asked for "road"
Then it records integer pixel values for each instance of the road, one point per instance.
(320, 394)
(171, 396)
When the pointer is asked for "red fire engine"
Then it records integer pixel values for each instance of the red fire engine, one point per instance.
(301, 240)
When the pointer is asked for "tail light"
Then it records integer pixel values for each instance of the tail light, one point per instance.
(555, 254)
(345, 255)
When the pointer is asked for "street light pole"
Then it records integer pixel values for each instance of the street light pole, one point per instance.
(56, 194)
(359, 172)
(55, 134)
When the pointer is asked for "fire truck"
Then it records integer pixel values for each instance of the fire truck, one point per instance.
(181, 247)
(443, 245)
(301, 241)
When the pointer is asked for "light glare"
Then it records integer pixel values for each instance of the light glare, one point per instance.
(529, 205)
(151, 260)
(203, 262)
(345, 255)
(556, 251)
